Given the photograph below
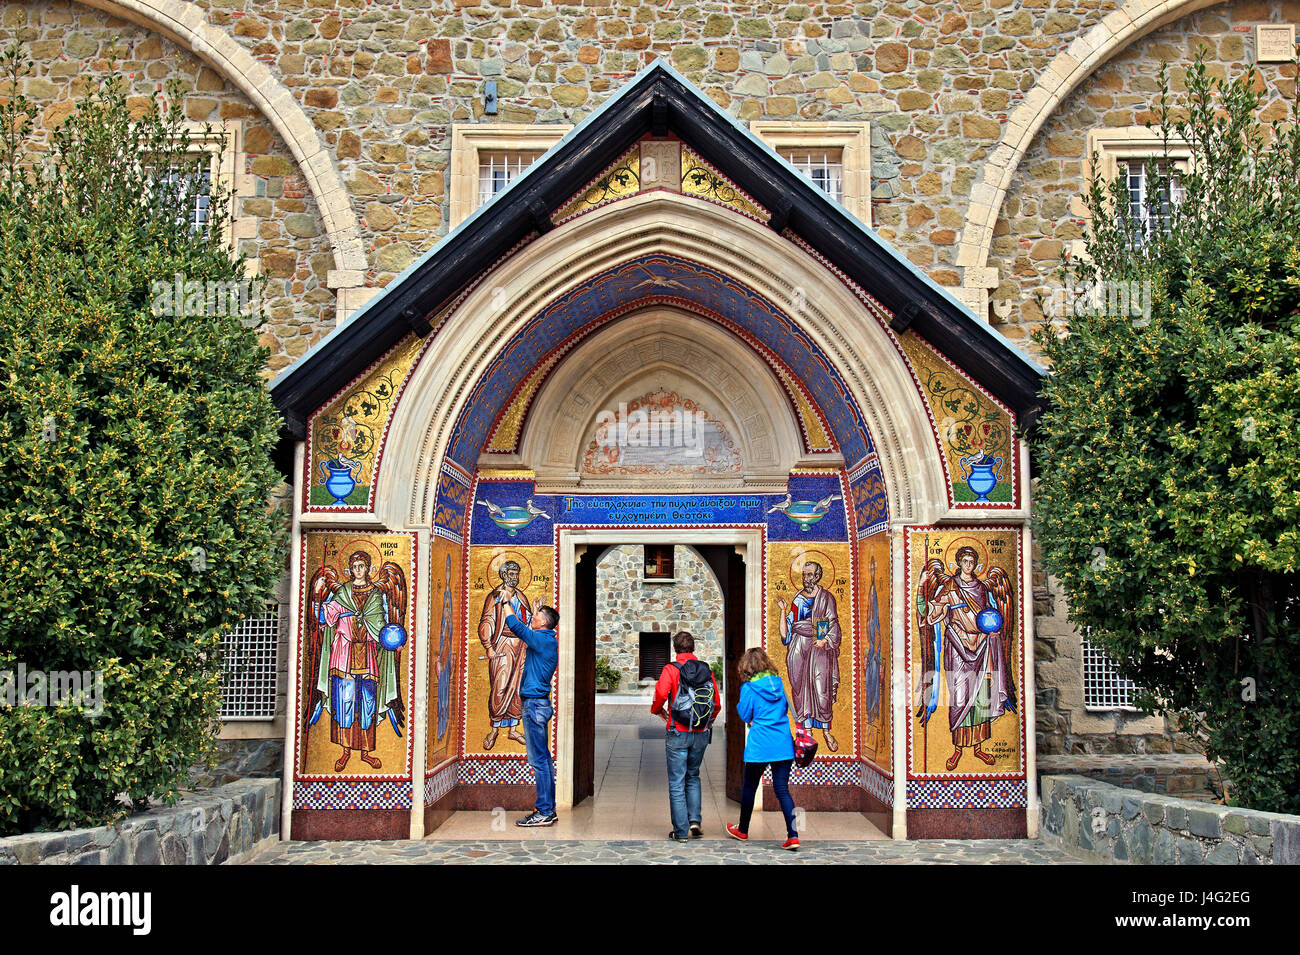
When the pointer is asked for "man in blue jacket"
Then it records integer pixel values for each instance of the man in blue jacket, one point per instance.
(540, 660)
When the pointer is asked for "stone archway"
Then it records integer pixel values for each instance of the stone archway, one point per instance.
(859, 347)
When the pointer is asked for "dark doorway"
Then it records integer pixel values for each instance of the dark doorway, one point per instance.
(729, 568)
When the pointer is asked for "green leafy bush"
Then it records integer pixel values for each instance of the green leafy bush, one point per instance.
(607, 676)
(1169, 490)
(134, 458)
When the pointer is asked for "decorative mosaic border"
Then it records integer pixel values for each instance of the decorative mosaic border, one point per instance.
(439, 784)
(967, 794)
(878, 784)
(824, 772)
(349, 794)
(784, 374)
(502, 771)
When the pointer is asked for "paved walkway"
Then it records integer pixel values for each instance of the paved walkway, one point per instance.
(702, 852)
(626, 822)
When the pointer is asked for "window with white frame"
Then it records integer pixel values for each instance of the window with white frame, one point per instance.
(1103, 687)
(498, 168)
(189, 193)
(248, 675)
(487, 157)
(1123, 153)
(835, 157)
(1153, 191)
(824, 168)
(218, 151)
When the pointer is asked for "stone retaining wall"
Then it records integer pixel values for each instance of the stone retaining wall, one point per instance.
(1104, 823)
(203, 828)
(1189, 776)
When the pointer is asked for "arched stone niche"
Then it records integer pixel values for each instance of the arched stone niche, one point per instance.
(662, 349)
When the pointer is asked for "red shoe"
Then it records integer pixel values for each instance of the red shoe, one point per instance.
(791, 843)
(734, 831)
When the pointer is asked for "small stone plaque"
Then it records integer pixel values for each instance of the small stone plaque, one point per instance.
(661, 165)
(1275, 43)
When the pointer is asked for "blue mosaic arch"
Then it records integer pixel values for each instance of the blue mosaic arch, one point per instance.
(684, 281)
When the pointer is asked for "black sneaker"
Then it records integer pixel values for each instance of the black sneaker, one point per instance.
(674, 838)
(696, 831)
(537, 818)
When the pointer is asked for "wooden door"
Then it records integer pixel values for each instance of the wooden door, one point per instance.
(584, 677)
(729, 568)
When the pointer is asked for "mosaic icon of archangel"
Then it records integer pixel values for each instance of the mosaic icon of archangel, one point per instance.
(966, 629)
(355, 634)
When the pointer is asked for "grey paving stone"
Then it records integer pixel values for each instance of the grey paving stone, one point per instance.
(707, 852)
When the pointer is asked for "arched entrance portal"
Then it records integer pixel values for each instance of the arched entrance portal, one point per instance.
(661, 333)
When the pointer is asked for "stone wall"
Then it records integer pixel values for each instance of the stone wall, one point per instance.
(71, 46)
(1108, 824)
(203, 828)
(242, 759)
(1185, 776)
(380, 84)
(626, 606)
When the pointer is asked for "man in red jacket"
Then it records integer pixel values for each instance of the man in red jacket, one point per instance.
(686, 744)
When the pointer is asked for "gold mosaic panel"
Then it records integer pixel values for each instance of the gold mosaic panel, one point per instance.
(364, 596)
(973, 431)
(875, 654)
(346, 435)
(703, 181)
(499, 664)
(817, 667)
(966, 701)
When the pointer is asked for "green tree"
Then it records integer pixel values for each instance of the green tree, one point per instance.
(1169, 490)
(134, 456)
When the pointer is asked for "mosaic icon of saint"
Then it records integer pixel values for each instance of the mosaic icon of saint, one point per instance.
(505, 654)
(811, 632)
(966, 626)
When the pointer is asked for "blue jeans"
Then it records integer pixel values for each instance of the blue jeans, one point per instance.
(537, 716)
(685, 753)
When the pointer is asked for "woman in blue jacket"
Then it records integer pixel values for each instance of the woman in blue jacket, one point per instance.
(762, 705)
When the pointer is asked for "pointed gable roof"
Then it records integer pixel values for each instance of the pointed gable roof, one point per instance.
(657, 101)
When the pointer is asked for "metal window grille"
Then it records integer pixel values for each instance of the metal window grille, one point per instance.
(497, 169)
(190, 194)
(248, 678)
(1146, 210)
(824, 168)
(1103, 687)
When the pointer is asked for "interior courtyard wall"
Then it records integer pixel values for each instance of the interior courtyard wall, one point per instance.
(627, 605)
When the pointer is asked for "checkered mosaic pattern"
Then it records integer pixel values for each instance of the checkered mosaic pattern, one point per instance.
(967, 794)
(439, 784)
(820, 773)
(495, 772)
(348, 794)
(878, 784)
